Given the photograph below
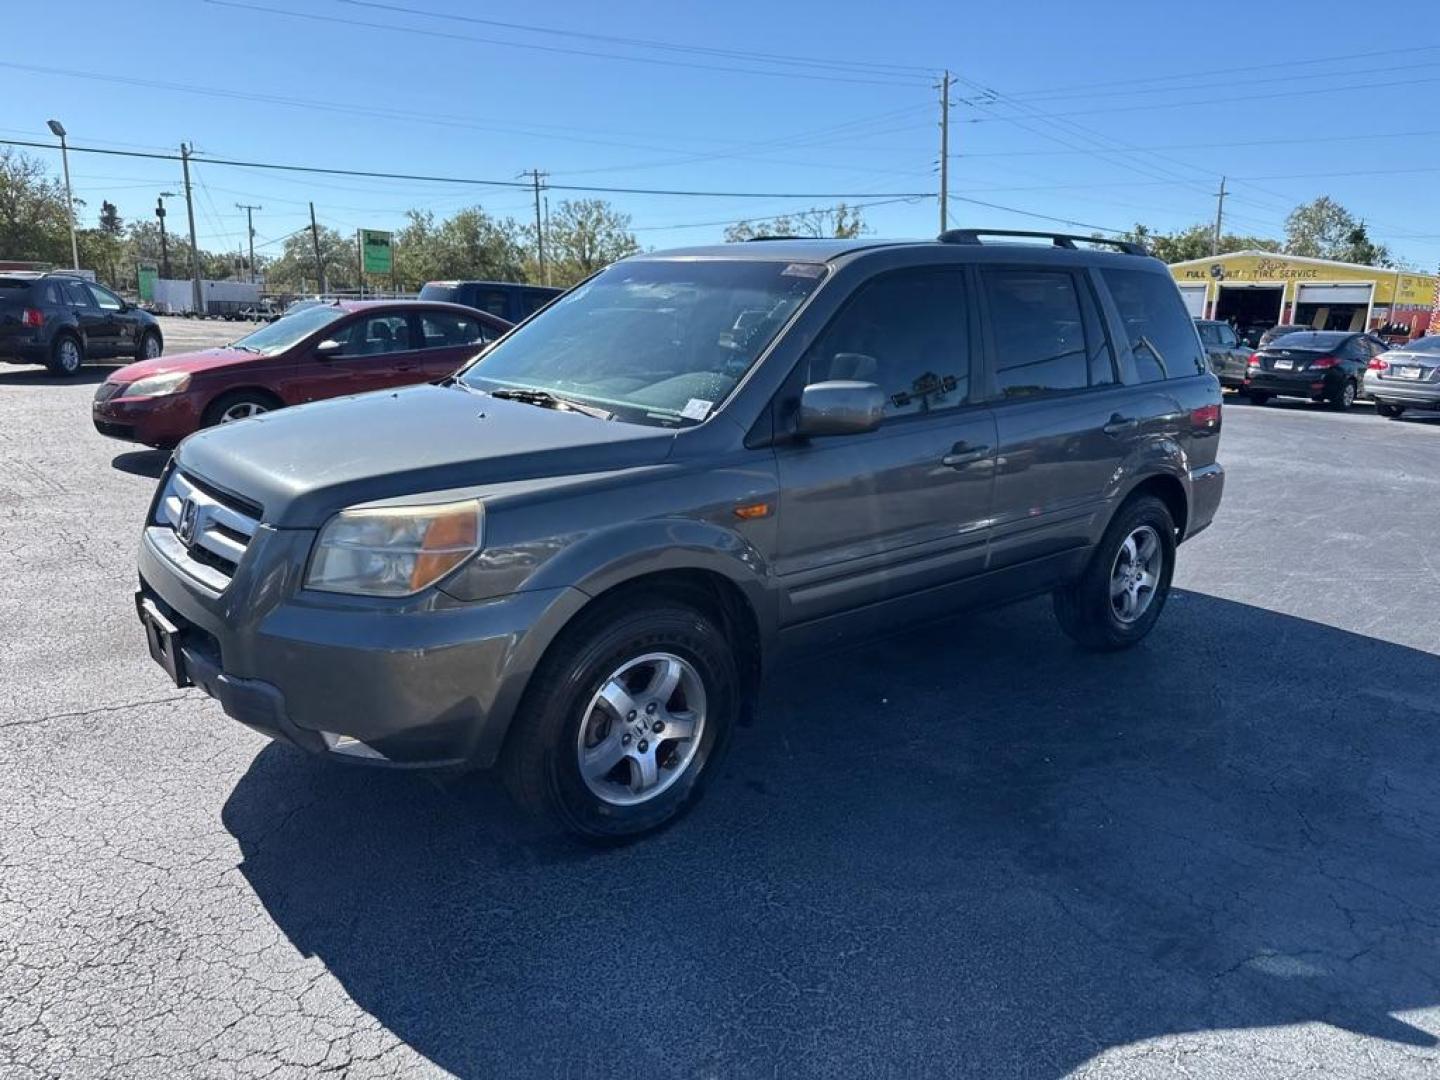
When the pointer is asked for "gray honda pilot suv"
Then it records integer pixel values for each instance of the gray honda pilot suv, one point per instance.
(576, 557)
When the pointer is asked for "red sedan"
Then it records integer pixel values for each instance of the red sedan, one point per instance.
(320, 352)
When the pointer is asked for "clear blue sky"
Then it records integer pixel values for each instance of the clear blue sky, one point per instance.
(1052, 100)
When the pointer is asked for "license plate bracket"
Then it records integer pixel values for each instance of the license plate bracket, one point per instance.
(1407, 372)
(1284, 365)
(163, 638)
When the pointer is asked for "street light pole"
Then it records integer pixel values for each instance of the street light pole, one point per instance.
(58, 130)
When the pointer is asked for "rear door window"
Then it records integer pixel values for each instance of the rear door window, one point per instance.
(76, 295)
(532, 300)
(495, 301)
(1039, 332)
(446, 330)
(1161, 333)
(907, 332)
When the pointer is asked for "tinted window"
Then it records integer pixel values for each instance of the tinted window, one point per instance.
(495, 301)
(1209, 333)
(75, 293)
(445, 330)
(907, 333)
(1227, 336)
(105, 298)
(1311, 339)
(1039, 332)
(1425, 344)
(532, 300)
(1162, 336)
(449, 291)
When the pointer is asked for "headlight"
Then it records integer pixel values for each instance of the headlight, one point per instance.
(394, 551)
(171, 382)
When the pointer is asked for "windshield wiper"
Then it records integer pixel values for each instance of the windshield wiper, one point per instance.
(546, 400)
(242, 348)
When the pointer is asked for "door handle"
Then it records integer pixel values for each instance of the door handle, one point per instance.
(1118, 424)
(964, 454)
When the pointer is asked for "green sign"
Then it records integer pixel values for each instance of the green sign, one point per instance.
(376, 256)
(146, 274)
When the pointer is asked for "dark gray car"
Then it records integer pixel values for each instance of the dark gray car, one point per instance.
(577, 558)
(1227, 354)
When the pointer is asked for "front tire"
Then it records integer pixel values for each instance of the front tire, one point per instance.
(238, 405)
(150, 346)
(67, 356)
(625, 719)
(1120, 594)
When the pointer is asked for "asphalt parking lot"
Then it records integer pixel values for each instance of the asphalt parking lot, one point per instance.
(968, 850)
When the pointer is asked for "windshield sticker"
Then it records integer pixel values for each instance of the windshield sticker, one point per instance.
(696, 409)
(811, 270)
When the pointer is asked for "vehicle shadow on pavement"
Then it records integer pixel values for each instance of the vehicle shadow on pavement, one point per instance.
(39, 376)
(966, 850)
(149, 463)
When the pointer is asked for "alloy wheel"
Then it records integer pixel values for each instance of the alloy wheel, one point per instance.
(1136, 574)
(242, 410)
(641, 729)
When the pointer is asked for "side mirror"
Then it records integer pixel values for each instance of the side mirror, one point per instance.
(840, 408)
(329, 349)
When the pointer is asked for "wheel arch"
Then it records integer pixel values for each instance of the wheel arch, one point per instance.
(242, 388)
(1168, 488)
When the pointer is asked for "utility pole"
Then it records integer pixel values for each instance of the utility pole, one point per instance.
(319, 262)
(536, 175)
(197, 296)
(1219, 216)
(944, 148)
(164, 242)
(250, 230)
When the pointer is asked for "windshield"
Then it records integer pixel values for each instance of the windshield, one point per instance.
(284, 332)
(662, 341)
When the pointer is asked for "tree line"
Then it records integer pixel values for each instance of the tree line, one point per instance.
(1319, 229)
(580, 236)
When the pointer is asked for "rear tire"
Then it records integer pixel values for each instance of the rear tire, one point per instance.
(566, 718)
(238, 405)
(1393, 412)
(67, 355)
(1344, 398)
(1258, 397)
(1110, 607)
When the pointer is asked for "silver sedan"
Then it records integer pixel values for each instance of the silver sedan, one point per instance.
(1406, 378)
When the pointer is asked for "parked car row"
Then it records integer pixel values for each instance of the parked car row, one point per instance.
(1333, 367)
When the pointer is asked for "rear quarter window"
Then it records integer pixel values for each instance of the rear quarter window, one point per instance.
(1161, 334)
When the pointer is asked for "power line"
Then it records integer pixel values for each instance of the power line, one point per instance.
(563, 50)
(1213, 145)
(508, 184)
(1033, 214)
(650, 43)
(765, 217)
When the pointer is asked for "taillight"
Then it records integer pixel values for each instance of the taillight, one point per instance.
(1206, 416)
(1254, 360)
(1324, 362)
(32, 316)
(1378, 364)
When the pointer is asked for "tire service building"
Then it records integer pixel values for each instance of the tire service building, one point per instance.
(1256, 290)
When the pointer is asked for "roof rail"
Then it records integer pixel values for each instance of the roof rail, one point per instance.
(777, 236)
(1060, 240)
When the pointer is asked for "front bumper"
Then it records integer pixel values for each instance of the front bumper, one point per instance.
(427, 682)
(1423, 395)
(159, 421)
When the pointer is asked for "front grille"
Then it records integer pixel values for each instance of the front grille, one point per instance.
(106, 390)
(212, 530)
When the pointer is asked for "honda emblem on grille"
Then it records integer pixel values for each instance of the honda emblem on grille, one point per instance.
(189, 520)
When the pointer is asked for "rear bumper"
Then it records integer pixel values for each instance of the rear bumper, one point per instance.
(161, 421)
(29, 348)
(1207, 485)
(1394, 391)
(430, 683)
(1306, 384)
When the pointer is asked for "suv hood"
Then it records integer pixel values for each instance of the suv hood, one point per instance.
(304, 464)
